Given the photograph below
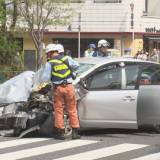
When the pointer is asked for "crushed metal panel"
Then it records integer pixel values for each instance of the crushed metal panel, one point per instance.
(35, 128)
(17, 89)
(11, 118)
(148, 105)
(10, 109)
(7, 133)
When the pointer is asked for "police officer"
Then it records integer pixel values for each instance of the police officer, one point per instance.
(91, 51)
(102, 48)
(60, 68)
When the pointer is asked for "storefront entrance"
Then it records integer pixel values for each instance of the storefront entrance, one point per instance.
(151, 42)
(72, 44)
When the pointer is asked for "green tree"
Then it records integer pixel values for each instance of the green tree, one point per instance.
(8, 45)
(39, 14)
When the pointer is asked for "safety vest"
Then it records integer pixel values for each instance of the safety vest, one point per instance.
(60, 69)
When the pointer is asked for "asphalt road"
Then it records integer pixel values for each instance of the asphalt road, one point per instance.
(109, 144)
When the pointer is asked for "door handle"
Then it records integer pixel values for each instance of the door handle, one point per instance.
(129, 98)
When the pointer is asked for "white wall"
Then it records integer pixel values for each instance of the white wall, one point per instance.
(154, 8)
(112, 17)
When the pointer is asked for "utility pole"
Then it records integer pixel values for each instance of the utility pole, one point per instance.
(132, 25)
(79, 34)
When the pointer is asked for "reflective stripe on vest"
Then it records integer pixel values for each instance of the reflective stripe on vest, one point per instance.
(60, 67)
(62, 75)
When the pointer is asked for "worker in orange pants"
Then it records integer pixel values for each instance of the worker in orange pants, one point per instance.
(65, 94)
(61, 70)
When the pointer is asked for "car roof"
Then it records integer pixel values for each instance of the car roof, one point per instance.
(99, 61)
(104, 60)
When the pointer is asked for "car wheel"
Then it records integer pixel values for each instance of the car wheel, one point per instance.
(157, 129)
(17, 131)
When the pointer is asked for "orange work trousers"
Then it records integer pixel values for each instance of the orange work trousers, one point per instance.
(64, 96)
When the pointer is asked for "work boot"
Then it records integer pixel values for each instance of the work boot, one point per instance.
(60, 134)
(75, 134)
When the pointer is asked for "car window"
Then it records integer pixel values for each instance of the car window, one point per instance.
(131, 71)
(150, 75)
(108, 77)
(83, 67)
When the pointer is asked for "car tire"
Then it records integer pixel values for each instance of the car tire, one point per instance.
(17, 132)
(157, 129)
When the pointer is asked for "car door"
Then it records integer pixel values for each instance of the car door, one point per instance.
(148, 111)
(111, 100)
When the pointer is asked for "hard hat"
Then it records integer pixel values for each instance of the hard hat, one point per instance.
(103, 43)
(92, 46)
(60, 48)
(51, 47)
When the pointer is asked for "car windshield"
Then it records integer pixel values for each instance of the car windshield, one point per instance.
(83, 67)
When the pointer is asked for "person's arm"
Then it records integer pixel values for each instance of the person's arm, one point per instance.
(73, 64)
(46, 74)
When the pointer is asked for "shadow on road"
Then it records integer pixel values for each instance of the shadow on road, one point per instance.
(114, 132)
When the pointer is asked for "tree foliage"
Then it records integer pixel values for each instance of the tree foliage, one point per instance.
(8, 44)
(38, 15)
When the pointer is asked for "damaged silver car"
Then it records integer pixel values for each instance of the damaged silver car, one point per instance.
(119, 93)
(111, 93)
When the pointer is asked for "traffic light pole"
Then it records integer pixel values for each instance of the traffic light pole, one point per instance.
(132, 26)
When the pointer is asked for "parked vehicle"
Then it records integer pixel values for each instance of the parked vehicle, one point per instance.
(111, 93)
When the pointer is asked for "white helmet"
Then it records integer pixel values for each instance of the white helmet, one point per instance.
(51, 47)
(103, 43)
(60, 48)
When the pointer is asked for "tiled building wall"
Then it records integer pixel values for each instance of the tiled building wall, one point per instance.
(112, 17)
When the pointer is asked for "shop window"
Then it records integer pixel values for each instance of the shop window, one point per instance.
(107, 1)
(72, 44)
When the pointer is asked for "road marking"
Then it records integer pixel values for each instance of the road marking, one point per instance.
(18, 142)
(154, 156)
(103, 152)
(44, 149)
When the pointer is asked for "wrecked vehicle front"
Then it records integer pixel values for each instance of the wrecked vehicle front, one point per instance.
(26, 104)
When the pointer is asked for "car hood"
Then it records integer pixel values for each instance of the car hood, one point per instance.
(17, 89)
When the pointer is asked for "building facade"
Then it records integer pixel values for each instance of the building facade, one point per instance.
(129, 26)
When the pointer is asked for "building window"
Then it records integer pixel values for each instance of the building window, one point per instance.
(77, 1)
(107, 1)
(30, 60)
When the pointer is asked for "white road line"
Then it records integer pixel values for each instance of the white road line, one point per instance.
(103, 152)
(154, 156)
(18, 142)
(44, 149)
